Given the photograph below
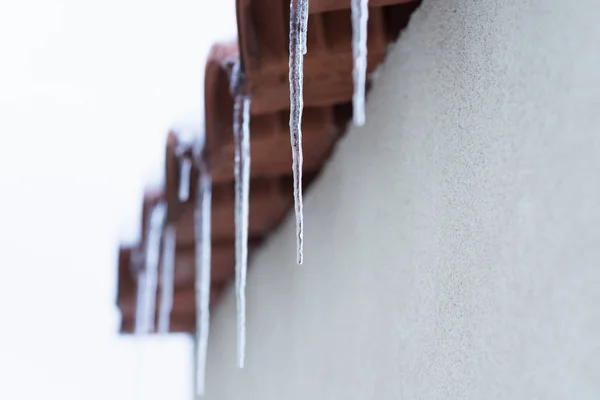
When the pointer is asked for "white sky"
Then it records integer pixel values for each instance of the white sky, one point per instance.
(87, 92)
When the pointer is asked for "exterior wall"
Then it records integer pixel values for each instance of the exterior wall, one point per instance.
(453, 243)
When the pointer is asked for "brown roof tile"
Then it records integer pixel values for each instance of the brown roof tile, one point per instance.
(263, 36)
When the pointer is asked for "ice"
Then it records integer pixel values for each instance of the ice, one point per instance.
(298, 27)
(360, 16)
(303, 7)
(241, 133)
(140, 308)
(147, 303)
(184, 180)
(202, 228)
(168, 270)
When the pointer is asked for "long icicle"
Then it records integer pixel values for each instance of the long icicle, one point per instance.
(298, 29)
(241, 134)
(168, 271)
(202, 227)
(360, 17)
(155, 228)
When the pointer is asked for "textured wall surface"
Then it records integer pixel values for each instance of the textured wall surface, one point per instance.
(453, 243)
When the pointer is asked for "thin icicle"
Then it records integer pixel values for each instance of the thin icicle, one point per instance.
(298, 29)
(150, 275)
(168, 270)
(241, 135)
(304, 26)
(360, 16)
(184, 180)
(202, 227)
(140, 309)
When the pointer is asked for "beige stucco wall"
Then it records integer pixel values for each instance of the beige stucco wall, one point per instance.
(453, 243)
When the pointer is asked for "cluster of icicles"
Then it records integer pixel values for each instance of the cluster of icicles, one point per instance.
(157, 229)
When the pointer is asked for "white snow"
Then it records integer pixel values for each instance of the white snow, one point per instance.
(202, 226)
(298, 29)
(166, 285)
(360, 17)
(241, 133)
(189, 129)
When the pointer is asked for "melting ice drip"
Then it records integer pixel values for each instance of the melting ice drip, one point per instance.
(360, 16)
(148, 281)
(241, 139)
(202, 228)
(298, 29)
(168, 270)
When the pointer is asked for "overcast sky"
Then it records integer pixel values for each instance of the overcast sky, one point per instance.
(87, 93)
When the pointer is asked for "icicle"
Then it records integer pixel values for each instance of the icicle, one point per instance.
(241, 135)
(184, 180)
(168, 270)
(202, 228)
(150, 275)
(298, 27)
(304, 25)
(360, 16)
(140, 309)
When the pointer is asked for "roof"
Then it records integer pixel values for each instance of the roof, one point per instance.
(263, 27)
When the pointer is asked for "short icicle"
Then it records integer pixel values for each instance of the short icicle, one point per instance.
(241, 138)
(298, 29)
(140, 309)
(202, 230)
(304, 25)
(168, 270)
(184, 180)
(150, 276)
(360, 17)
